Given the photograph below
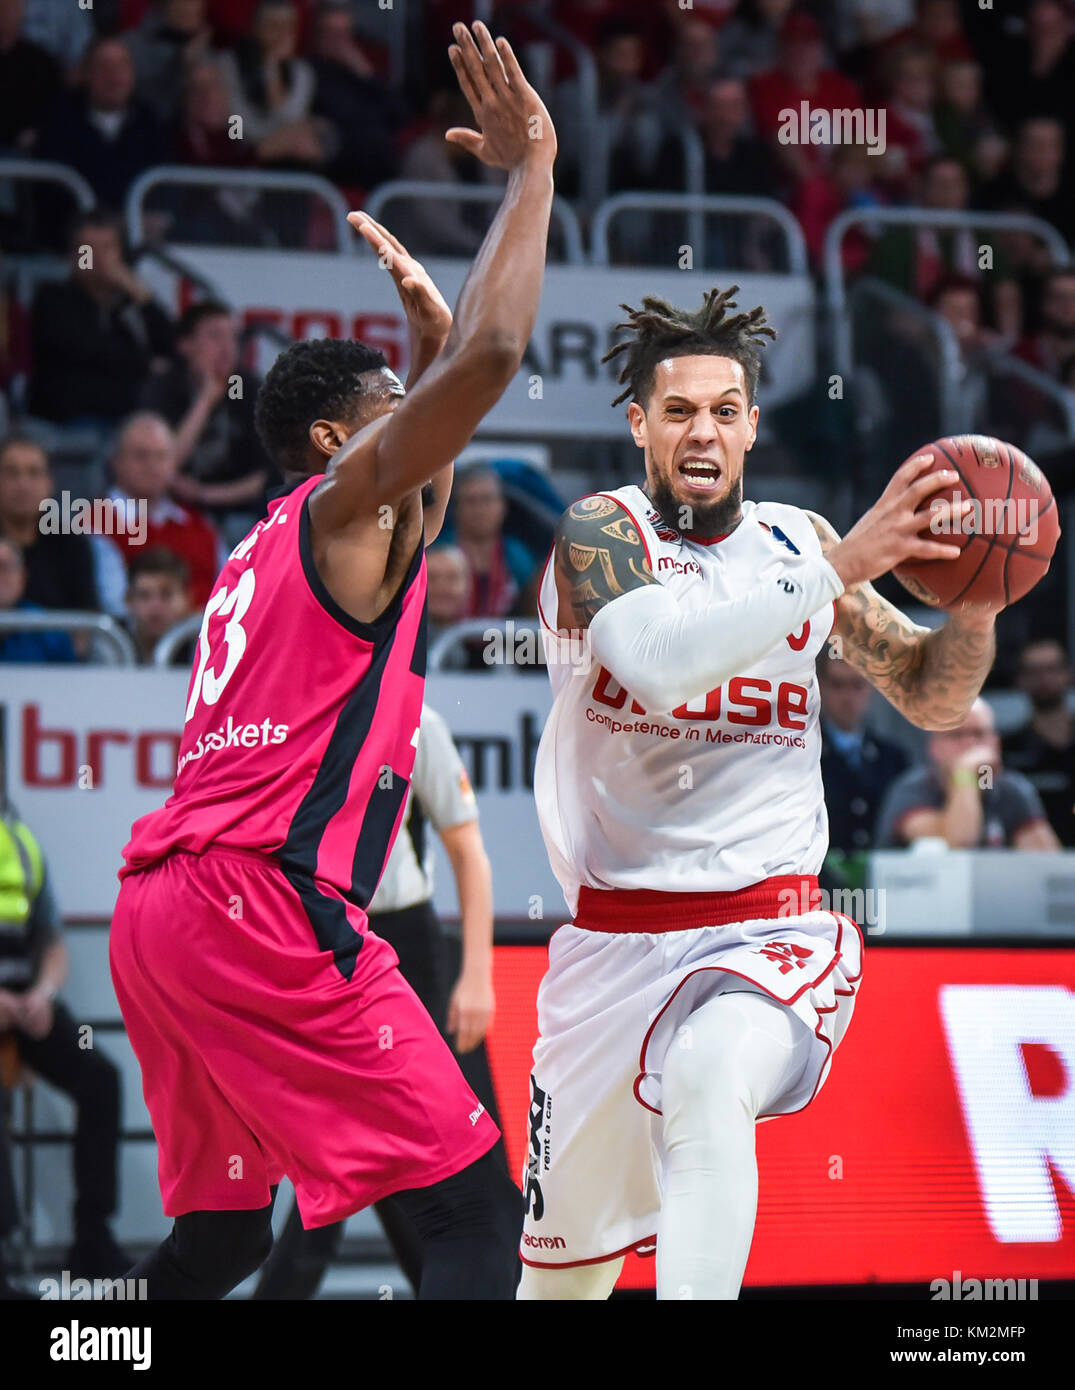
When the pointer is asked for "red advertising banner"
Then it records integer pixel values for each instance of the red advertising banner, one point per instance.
(942, 1142)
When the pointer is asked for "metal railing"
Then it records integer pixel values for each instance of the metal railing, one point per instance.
(593, 170)
(46, 171)
(835, 284)
(397, 189)
(254, 180)
(169, 645)
(946, 363)
(471, 628)
(698, 206)
(970, 394)
(177, 266)
(101, 626)
(1007, 364)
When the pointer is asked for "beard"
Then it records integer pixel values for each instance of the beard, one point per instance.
(707, 518)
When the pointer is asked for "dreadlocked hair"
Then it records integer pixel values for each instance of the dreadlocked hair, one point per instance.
(660, 331)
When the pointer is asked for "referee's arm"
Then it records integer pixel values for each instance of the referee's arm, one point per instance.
(471, 1004)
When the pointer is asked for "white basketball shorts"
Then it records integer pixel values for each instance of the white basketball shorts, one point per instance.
(609, 1008)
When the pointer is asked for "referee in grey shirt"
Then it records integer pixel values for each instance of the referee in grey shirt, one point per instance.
(450, 971)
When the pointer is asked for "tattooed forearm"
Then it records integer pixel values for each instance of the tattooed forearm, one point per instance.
(599, 555)
(932, 676)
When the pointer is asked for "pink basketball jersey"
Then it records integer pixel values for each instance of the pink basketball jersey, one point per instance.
(301, 724)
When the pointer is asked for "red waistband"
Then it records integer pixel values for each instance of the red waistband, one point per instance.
(647, 910)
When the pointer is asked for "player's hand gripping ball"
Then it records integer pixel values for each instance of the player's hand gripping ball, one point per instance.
(1006, 538)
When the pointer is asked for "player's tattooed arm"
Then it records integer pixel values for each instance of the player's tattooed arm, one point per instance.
(931, 675)
(599, 555)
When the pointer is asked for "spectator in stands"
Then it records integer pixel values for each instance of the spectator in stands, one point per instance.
(850, 182)
(910, 135)
(66, 31)
(272, 90)
(860, 26)
(233, 19)
(857, 765)
(438, 227)
(681, 90)
(800, 75)
(1036, 182)
(29, 79)
(629, 126)
(964, 796)
(1043, 749)
(47, 1039)
(103, 130)
(32, 646)
(144, 468)
(750, 41)
(938, 29)
(95, 334)
(958, 300)
(209, 402)
(206, 132)
(448, 587)
(586, 19)
(361, 109)
(1037, 76)
(59, 567)
(915, 259)
(173, 34)
(158, 599)
(500, 565)
(736, 161)
(964, 126)
(1053, 343)
(448, 590)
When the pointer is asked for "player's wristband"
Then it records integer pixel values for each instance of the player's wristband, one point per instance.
(964, 777)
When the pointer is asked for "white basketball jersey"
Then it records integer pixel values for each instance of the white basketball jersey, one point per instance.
(726, 790)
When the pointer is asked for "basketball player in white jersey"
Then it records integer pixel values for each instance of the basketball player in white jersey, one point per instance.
(698, 988)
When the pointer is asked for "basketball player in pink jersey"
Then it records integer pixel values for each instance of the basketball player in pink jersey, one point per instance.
(275, 1033)
(698, 987)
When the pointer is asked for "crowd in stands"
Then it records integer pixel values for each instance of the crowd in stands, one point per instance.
(978, 118)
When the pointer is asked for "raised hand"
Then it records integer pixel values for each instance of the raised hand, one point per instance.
(514, 128)
(889, 533)
(427, 312)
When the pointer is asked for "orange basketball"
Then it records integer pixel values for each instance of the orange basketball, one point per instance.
(1007, 539)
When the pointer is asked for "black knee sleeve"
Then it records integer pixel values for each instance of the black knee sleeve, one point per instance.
(207, 1254)
(469, 1226)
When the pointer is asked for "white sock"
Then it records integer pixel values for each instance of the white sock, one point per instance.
(735, 1056)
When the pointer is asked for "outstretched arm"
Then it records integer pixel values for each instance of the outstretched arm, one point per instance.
(497, 305)
(932, 676)
(665, 656)
(661, 653)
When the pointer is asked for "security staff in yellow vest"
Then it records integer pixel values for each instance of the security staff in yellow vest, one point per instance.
(38, 1030)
